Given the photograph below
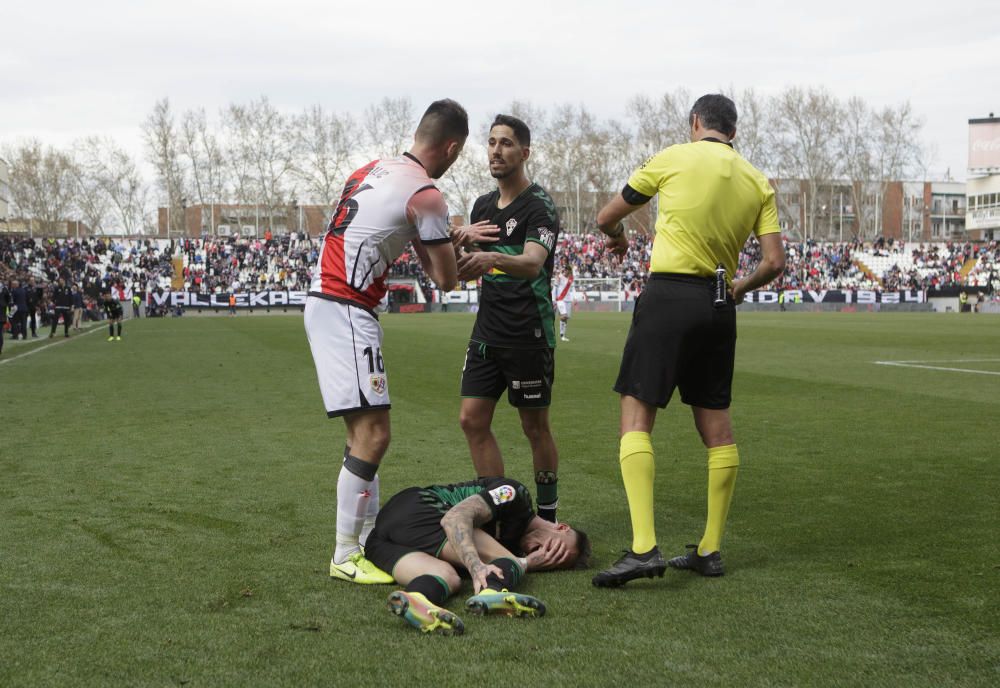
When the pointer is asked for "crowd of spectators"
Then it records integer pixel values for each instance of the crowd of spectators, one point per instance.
(224, 264)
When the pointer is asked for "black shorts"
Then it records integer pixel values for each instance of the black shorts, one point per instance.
(680, 339)
(526, 374)
(405, 524)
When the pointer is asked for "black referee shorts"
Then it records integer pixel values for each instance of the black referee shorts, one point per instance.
(526, 374)
(405, 524)
(679, 339)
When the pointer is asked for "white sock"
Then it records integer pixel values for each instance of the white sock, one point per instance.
(372, 512)
(353, 496)
(562, 328)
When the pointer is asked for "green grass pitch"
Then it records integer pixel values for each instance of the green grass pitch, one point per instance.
(167, 512)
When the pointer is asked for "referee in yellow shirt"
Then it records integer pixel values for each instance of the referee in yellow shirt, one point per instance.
(683, 332)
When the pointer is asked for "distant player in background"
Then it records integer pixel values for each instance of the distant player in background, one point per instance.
(485, 527)
(113, 309)
(385, 206)
(562, 295)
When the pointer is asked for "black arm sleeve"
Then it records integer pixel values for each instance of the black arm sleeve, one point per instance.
(633, 197)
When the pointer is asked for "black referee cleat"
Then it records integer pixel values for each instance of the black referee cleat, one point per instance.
(631, 566)
(708, 565)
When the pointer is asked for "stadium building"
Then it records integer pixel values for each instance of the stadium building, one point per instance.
(246, 220)
(983, 187)
(902, 210)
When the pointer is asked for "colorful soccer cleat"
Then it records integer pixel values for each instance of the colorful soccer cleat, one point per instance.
(111, 339)
(506, 603)
(357, 569)
(421, 613)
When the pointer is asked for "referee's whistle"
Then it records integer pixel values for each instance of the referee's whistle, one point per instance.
(720, 285)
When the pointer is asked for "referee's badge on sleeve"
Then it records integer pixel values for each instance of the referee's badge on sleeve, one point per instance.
(502, 494)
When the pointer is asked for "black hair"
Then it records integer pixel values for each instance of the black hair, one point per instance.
(716, 111)
(444, 120)
(520, 129)
(583, 548)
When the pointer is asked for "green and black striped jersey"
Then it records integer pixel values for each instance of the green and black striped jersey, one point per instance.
(508, 500)
(113, 309)
(517, 313)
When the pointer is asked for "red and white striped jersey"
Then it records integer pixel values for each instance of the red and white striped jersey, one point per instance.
(385, 205)
(563, 288)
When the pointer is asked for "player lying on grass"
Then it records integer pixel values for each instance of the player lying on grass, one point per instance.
(486, 527)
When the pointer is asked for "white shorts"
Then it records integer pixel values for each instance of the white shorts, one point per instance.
(346, 344)
(565, 308)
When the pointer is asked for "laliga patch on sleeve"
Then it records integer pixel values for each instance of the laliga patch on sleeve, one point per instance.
(502, 494)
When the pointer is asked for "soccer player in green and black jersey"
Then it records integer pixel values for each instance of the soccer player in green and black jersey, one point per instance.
(487, 527)
(113, 309)
(513, 341)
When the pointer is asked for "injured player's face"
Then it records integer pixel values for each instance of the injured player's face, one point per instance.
(559, 539)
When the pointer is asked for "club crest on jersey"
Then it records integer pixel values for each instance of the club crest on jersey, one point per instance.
(546, 236)
(378, 384)
(502, 494)
(511, 224)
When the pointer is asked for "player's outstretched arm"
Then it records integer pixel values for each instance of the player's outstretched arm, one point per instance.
(438, 261)
(527, 265)
(459, 525)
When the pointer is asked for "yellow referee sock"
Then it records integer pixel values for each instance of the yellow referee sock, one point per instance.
(723, 463)
(638, 471)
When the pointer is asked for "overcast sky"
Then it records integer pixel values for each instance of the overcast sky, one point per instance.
(71, 69)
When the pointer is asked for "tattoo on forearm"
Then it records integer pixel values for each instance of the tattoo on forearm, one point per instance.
(458, 526)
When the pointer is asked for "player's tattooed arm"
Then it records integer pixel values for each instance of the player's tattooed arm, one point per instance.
(459, 524)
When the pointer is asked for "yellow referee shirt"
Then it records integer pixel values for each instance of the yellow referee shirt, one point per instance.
(710, 199)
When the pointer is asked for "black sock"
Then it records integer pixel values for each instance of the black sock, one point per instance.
(512, 573)
(546, 487)
(119, 329)
(431, 587)
(111, 330)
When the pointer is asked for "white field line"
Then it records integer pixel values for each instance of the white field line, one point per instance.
(93, 329)
(920, 364)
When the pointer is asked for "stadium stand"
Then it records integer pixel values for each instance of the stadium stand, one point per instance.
(217, 265)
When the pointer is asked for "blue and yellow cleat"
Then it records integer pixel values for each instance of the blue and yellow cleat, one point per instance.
(421, 613)
(506, 603)
(357, 569)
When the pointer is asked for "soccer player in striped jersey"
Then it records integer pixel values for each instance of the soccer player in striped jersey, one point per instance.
(562, 296)
(385, 206)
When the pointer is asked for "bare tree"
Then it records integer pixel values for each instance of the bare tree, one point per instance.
(467, 179)
(90, 198)
(753, 129)
(113, 182)
(660, 122)
(855, 146)
(202, 153)
(806, 126)
(163, 147)
(323, 146)
(42, 185)
(388, 126)
(261, 149)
